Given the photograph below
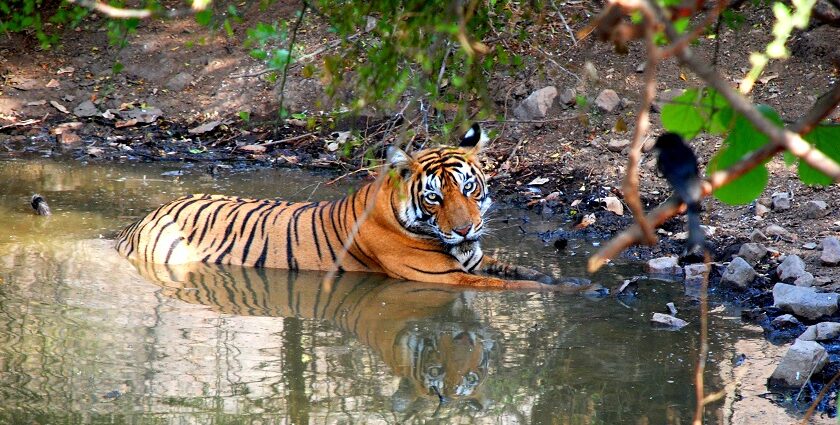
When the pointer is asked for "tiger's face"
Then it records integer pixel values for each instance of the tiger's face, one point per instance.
(444, 192)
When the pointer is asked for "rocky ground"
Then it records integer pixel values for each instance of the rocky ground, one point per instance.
(190, 95)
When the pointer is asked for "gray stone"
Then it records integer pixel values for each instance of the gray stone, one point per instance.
(781, 201)
(830, 251)
(757, 236)
(774, 230)
(738, 273)
(806, 280)
(672, 308)
(86, 109)
(536, 105)
(607, 100)
(666, 321)
(752, 252)
(668, 266)
(786, 320)
(805, 302)
(802, 359)
(824, 331)
(618, 145)
(179, 81)
(568, 97)
(809, 246)
(695, 272)
(791, 268)
(761, 210)
(816, 209)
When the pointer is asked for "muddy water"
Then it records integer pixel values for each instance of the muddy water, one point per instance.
(88, 337)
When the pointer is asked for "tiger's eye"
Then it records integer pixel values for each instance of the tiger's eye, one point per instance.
(469, 187)
(433, 198)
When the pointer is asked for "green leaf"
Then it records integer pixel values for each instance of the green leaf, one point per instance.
(204, 17)
(245, 116)
(681, 115)
(299, 116)
(117, 67)
(197, 150)
(826, 138)
(681, 24)
(743, 140)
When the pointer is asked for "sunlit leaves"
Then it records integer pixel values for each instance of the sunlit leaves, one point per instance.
(825, 138)
(743, 140)
(695, 111)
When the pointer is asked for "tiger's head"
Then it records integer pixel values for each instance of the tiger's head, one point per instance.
(443, 191)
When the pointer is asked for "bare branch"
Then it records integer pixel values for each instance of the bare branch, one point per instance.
(631, 176)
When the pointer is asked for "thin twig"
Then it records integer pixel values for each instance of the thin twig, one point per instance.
(22, 123)
(816, 402)
(289, 59)
(631, 176)
(562, 68)
(345, 175)
(288, 140)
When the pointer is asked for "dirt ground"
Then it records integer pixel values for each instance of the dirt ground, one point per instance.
(187, 76)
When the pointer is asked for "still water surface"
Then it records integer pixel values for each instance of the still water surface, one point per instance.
(87, 337)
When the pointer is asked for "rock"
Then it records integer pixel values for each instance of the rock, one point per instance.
(665, 321)
(179, 81)
(752, 253)
(536, 105)
(607, 100)
(781, 201)
(761, 210)
(757, 236)
(831, 251)
(672, 308)
(774, 230)
(86, 109)
(816, 209)
(809, 246)
(666, 266)
(807, 280)
(824, 331)
(738, 273)
(802, 359)
(827, 12)
(146, 115)
(568, 97)
(791, 268)
(618, 145)
(695, 272)
(786, 320)
(805, 302)
(69, 138)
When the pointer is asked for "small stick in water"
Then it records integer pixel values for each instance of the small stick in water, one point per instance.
(39, 204)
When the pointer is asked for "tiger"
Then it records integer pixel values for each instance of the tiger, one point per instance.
(422, 222)
(437, 346)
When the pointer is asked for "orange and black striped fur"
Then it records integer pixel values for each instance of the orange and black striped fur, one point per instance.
(424, 224)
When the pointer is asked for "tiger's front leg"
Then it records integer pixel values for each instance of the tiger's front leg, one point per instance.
(491, 266)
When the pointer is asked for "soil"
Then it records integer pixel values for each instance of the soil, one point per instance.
(195, 76)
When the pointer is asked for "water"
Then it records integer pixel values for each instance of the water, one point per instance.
(87, 337)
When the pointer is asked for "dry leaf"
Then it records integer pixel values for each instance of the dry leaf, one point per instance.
(126, 123)
(59, 106)
(67, 70)
(767, 78)
(539, 181)
(254, 149)
(612, 204)
(69, 137)
(53, 84)
(205, 128)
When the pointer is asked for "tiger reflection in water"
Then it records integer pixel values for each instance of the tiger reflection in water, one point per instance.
(426, 333)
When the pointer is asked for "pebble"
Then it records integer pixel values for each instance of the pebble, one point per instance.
(607, 100)
(830, 251)
(666, 321)
(672, 308)
(757, 236)
(568, 97)
(809, 246)
(816, 209)
(86, 109)
(804, 302)
(618, 145)
(752, 252)
(536, 105)
(791, 268)
(668, 266)
(179, 81)
(781, 201)
(695, 272)
(776, 230)
(761, 210)
(806, 280)
(802, 359)
(821, 332)
(786, 320)
(738, 273)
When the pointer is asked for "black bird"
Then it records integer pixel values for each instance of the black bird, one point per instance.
(40, 205)
(678, 165)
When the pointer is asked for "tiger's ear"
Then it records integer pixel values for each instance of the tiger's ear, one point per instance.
(400, 161)
(475, 138)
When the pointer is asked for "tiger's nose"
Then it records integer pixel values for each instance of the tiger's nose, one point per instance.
(463, 231)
